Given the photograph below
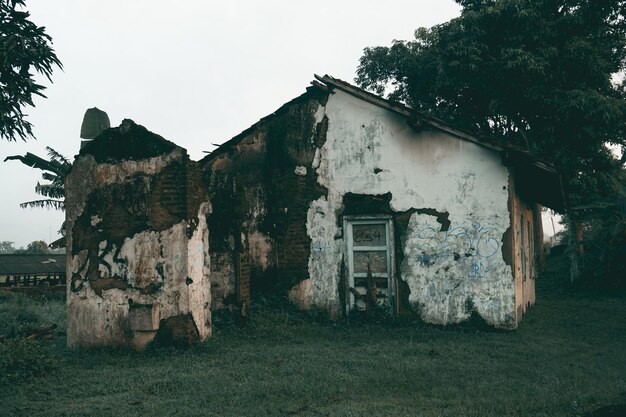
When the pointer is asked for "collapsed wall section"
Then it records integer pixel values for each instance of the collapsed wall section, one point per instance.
(137, 242)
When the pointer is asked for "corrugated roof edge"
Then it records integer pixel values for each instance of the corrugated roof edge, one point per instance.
(19, 263)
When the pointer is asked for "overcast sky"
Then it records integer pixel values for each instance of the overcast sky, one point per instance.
(195, 73)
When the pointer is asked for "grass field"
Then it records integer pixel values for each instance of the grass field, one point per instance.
(567, 359)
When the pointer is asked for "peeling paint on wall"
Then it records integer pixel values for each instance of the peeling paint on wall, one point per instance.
(326, 253)
(134, 239)
(445, 269)
(370, 151)
(156, 241)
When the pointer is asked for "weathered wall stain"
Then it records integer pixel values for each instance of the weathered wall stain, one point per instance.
(137, 235)
(439, 182)
(265, 212)
(260, 184)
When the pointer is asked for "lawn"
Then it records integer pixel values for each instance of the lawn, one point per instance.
(568, 358)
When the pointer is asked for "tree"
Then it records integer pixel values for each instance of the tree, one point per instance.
(54, 171)
(24, 46)
(35, 247)
(6, 247)
(56, 168)
(540, 74)
(547, 75)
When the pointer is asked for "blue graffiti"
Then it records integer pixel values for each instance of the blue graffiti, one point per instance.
(477, 270)
(425, 259)
(318, 247)
(468, 240)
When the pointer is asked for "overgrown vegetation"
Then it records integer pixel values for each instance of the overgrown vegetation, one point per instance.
(23, 320)
(566, 360)
(544, 75)
(600, 248)
(24, 47)
(54, 171)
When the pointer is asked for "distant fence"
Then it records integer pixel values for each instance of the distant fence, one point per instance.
(31, 280)
(42, 289)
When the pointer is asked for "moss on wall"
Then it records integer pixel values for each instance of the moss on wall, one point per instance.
(254, 188)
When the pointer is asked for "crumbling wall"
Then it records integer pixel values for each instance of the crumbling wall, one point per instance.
(260, 184)
(137, 241)
(450, 272)
(281, 189)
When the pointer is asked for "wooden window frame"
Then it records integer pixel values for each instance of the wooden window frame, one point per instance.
(387, 220)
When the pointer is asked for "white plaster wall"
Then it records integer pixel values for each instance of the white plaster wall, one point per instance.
(426, 169)
(326, 254)
(198, 269)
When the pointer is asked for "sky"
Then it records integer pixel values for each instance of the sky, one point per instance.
(197, 73)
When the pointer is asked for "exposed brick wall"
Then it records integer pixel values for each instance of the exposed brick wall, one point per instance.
(267, 155)
(145, 203)
(133, 203)
(196, 193)
(286, 220)
(169, 199)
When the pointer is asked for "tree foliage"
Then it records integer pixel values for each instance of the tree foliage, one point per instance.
(537, 73)
(7, 247)
(35, 247)
(24, 47)
(54, 170)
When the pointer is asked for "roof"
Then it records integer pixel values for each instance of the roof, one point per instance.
(537, 180)
(16, 264)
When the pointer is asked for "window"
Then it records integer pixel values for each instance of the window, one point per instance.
(369, 250)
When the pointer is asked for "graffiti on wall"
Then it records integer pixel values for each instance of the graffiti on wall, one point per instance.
(468, 240)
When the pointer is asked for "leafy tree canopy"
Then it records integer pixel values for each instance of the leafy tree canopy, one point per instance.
(35, 247)
(24, 47)
(537, 73)
(6, 247)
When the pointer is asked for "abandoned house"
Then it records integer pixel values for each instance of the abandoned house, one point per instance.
(340, 200)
